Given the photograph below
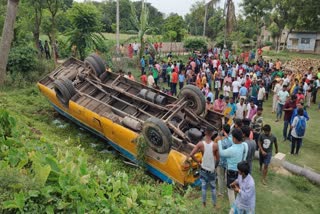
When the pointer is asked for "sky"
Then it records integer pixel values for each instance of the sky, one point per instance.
(182, 7)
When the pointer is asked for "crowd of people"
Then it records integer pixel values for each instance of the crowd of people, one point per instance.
(132, 49)
(238, 89)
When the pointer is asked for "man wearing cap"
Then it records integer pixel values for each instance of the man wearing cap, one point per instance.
(210, 156)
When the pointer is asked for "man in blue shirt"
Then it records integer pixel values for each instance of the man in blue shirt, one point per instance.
(234, 154)
(295, 112)
(182, 78)
(230, 104)
(142, 64)
(243, 92)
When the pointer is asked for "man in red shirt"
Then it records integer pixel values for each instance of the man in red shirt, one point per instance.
(156, 46)
(247, 83)
(143, 78)
(174, 81)
(300, 96)
(288, 108)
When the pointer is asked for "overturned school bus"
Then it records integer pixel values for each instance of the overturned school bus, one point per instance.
(120, 110)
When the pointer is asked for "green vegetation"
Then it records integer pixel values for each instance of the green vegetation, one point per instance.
(47, 165)
(22, 58)
(65, 161)
(192, 44)
(309, 151)
(85, 21)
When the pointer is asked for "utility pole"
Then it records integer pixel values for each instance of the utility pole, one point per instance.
(117, 31)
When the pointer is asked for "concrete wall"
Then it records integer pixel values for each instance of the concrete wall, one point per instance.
(304, 42)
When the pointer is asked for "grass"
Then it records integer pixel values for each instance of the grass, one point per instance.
(285, 55)
(284, 194)
(311, 143)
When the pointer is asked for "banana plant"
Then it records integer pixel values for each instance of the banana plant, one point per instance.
(142, 26)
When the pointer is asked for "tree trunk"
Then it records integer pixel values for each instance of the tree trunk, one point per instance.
(258, 42)
(205, 19)
(285, 41)
(7, 36)
(53, 39)
(36, 35)
(36, 29)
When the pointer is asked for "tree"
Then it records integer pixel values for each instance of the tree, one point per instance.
(211, 3)
(194, 19)
(230, 17)
(53, 7)
(3, 4)
(175, 23)
(7, 36)
(155, 17)
(86, 32)
(141, 24)
(216, 24)
(308, 15)
(256, 9)
(35, 14)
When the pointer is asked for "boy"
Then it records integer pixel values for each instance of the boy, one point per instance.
(266, 141)
(245, 187)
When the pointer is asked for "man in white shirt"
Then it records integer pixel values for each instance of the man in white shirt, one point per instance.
(151, 82)
(241, 79)
(135, 48)
(270, 64)
(226, 89)
(241, 109)
(261, 94)
(282, 98)
(235, 89)
(309, 74)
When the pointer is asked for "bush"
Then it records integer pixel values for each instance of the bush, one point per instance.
(220, 43)
(195, 44)
(22, 58)
(64, 50)
(268, 43)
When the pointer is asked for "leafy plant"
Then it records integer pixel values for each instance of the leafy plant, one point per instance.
(195, 44)
(37, 178)
(22, 58)
(7, 124)
(142, 148)
(86, 35)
